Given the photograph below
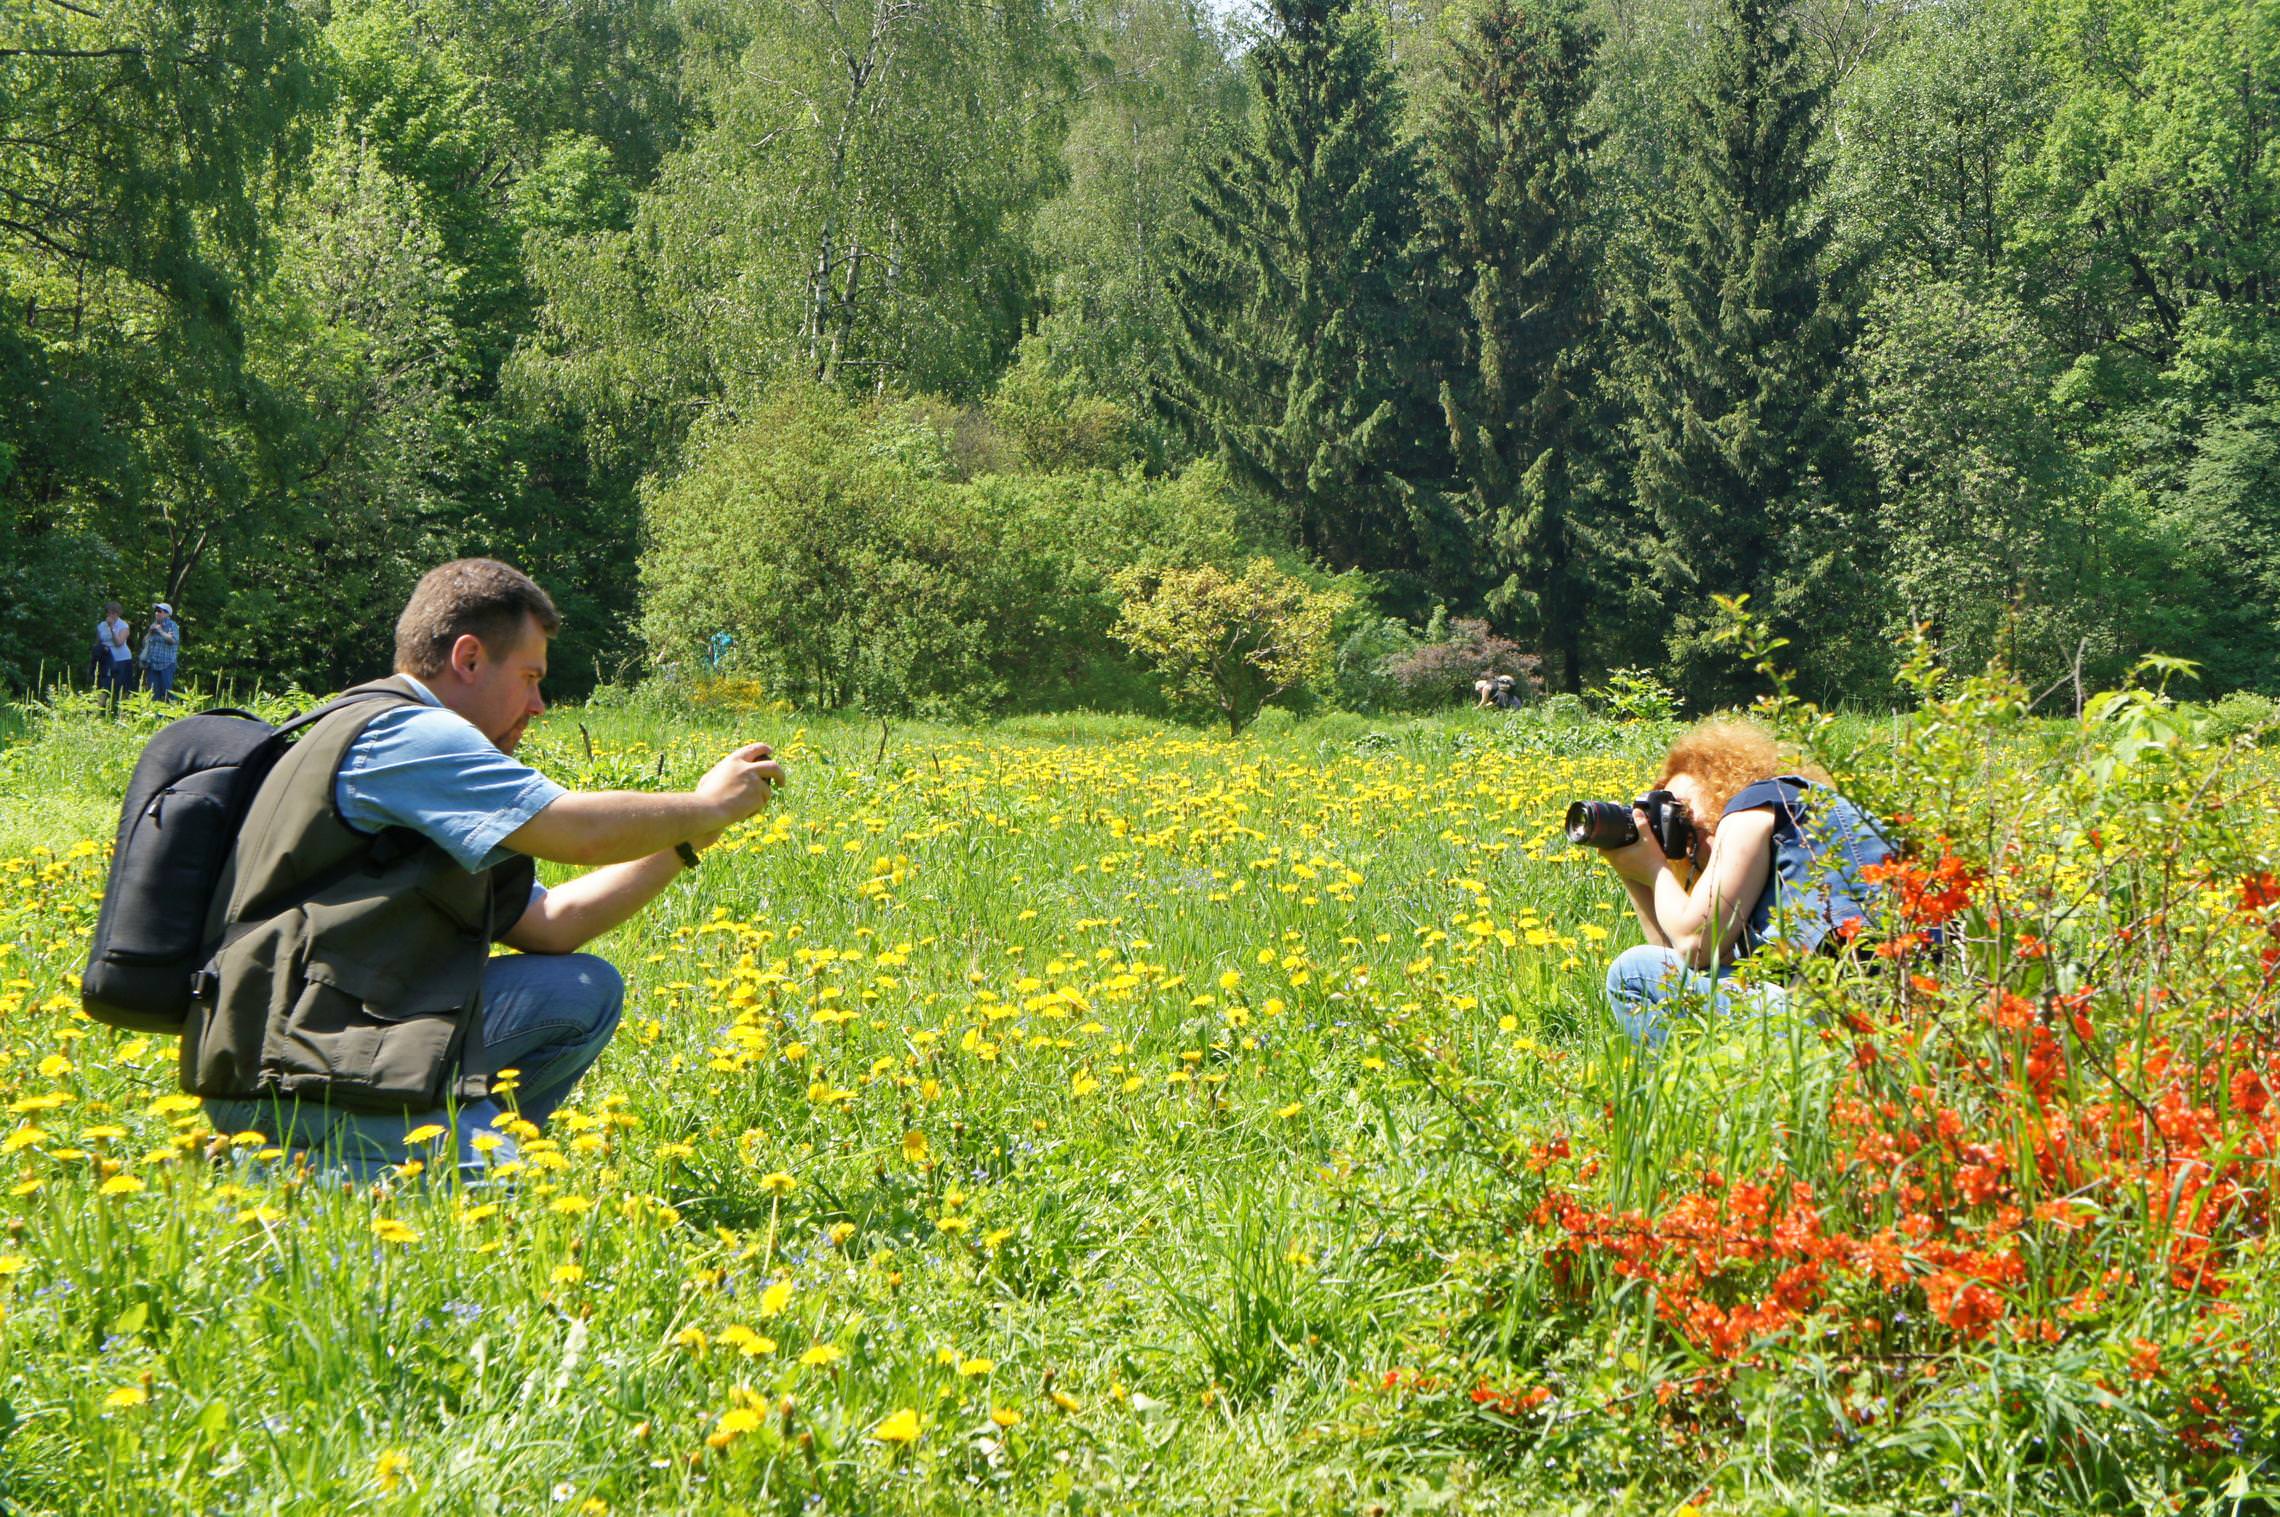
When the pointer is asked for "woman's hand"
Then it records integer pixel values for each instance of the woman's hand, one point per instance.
(1641, 859)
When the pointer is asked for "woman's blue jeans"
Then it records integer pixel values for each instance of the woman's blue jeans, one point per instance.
(1648, 986)
(547, 1016)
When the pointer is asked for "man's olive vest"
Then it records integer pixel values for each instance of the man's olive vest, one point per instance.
(351, 966)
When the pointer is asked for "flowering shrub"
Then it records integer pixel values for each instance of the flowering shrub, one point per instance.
(1443, 668)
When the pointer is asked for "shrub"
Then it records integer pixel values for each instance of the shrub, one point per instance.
(1359, 680)
(2240, 713)
(1442, 668)
(822, 554)
(1224, 643)
(1058, 426)
(1634, 695)
(849, 563)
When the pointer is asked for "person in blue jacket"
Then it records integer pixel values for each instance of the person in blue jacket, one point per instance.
(1777, 855)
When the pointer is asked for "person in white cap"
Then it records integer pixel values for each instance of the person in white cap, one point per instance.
(161, 651)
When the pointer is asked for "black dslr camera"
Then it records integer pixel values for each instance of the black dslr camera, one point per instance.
(1609, 824)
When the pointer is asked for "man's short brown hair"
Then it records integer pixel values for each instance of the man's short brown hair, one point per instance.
(478, 597)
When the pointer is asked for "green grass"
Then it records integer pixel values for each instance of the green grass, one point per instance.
(1188, 1116)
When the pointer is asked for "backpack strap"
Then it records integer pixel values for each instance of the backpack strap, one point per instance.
(350, 698)
(387, 847)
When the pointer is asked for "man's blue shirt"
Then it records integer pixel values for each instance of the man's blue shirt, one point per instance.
(429, 769)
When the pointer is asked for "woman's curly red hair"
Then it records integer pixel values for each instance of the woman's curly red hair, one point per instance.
(1727, 752)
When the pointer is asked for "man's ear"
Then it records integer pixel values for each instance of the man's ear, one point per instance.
(466, 655)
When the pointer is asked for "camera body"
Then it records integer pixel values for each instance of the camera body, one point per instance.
(1610, 824)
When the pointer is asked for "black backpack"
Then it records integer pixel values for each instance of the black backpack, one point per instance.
(189, 795)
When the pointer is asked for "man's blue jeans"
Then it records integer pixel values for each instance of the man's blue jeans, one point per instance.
(546, 1016)
(1647, 986)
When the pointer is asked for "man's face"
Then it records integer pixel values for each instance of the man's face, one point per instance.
(497, 690)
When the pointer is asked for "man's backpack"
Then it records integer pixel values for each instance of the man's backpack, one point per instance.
(189, 794)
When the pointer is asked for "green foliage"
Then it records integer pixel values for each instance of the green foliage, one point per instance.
(1930, 139)
(1294, 293)
(1634, 695)
(832, 542)
(1988, 544)
(2244, 714)
(1159, 95)
(1225, 643)
(1738, 390)
(853, 208)
(1573, 319)
(1058, 426)
(1510, 215)
(2227, 570)
(1366, 642)
(819, 552)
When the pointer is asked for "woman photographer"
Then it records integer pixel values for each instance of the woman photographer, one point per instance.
(1772, 854)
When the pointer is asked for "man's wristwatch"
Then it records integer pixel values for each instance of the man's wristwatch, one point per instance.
(689, 855)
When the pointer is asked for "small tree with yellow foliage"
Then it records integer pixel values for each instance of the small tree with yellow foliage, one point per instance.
(1227, 643)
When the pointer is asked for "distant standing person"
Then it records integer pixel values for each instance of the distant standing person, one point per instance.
(161, 651)
(114, 651)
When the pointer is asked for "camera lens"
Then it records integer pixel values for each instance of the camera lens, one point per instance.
(1601, 824)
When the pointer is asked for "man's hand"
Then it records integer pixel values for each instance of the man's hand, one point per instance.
(739, 785)
(1641, 859)
(616, 826)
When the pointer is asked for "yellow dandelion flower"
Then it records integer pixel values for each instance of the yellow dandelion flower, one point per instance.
(119, 1185)
(734, 1424)
(426, 1132)
(13, 1264)
(1067, 1402)
(904, 1426)
(914, 1147)
(1005, 1416)
(567, 1274)
(775, 1298)
(969, 1368)
(778, 1183)
(126, 1396)
(389, 1230)
(391, 1469)
(823, 1355)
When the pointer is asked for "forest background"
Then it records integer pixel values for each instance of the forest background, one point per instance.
(893, 337)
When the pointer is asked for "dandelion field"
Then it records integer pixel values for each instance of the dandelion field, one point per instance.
(1070, 1116)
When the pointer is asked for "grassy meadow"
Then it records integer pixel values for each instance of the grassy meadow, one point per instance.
(1075, 1116)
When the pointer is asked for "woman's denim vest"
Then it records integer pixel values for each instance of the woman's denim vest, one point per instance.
(1821, 844)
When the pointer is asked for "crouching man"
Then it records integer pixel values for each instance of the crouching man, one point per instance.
(355, 998)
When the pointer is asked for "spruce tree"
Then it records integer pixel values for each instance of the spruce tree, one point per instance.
(1294, 292)
(1738, 418)
(1510, 222)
